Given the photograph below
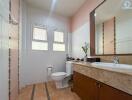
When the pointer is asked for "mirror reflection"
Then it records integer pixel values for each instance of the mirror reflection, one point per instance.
(113, 27)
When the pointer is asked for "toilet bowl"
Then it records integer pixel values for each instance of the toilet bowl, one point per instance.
(61, 79)
(58, 76)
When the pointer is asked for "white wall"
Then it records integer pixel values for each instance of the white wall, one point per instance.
(34, 63)
(99, 39)
(124, 32)
(79, 37)
(4, 56)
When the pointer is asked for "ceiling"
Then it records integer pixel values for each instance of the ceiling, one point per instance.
(63, 7)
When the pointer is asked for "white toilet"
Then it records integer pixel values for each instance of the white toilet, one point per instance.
(61, 78)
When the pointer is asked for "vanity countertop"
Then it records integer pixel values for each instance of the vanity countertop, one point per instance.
(119, 68)
(116, 76)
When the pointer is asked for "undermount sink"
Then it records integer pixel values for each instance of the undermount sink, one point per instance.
(112, 65)
(124, 68)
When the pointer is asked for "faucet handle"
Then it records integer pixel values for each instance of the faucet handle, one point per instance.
(116, 59)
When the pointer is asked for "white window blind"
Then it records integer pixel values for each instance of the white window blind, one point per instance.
(58, 44)
(39, 41)
(39, 45)
(58, 36)
(58, 47)
(39, 34)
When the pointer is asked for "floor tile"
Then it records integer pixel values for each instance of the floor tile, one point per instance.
(40, 92)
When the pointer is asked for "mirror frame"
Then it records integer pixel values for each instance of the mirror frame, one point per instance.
(92, 36)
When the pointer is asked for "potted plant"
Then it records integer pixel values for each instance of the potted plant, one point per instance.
(85, 49)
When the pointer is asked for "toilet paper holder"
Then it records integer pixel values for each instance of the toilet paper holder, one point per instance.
(49, 71)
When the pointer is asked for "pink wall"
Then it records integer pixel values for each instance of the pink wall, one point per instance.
(82, 15)
(109, 36)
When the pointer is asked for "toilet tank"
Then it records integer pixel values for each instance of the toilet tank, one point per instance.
(69, 68)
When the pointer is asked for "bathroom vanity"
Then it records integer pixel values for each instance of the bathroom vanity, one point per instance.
(100, 81)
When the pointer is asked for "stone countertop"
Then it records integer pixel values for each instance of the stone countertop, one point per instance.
(115, 68)
(115, 78)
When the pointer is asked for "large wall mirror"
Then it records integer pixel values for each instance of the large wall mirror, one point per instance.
(113, 27)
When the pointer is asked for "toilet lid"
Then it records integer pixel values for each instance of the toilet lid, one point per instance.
(59, 73)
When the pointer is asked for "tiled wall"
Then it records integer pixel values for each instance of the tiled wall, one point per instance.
(4, 55)
(14, 37)
(34, 63)
(80, 24)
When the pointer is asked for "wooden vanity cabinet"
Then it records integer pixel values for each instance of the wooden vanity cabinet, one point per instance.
(109, 93)
(85, 87)
(89, 89)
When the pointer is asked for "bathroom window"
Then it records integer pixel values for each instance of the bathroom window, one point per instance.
(39, 45)
(39, 34)
(58, 37)
(58, 47)
(39, 41)
(58, 44)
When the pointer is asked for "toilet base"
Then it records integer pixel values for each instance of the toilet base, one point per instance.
(62, 83)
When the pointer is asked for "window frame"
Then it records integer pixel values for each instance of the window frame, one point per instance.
(37, 40)
(40, 49)
(56, 42)
(63, 37)
(39, 28)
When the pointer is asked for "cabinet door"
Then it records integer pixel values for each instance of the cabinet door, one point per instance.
(85, 87)
(109, 93)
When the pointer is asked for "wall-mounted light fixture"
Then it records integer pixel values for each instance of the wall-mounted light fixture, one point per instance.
(127, 4)
(95, 14)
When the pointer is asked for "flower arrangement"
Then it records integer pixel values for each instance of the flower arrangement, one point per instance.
(85, 49)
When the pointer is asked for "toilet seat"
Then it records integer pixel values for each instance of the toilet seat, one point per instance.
(59, 74)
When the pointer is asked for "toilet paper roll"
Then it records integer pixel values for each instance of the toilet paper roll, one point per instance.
(49, 71)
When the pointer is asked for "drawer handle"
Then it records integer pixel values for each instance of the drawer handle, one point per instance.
(98, 85)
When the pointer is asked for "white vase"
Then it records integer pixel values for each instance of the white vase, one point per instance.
(85, 58)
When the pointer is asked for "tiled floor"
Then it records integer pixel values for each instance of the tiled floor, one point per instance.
(46, 91)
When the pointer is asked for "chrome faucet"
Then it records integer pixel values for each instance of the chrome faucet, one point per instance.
(116, 60)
